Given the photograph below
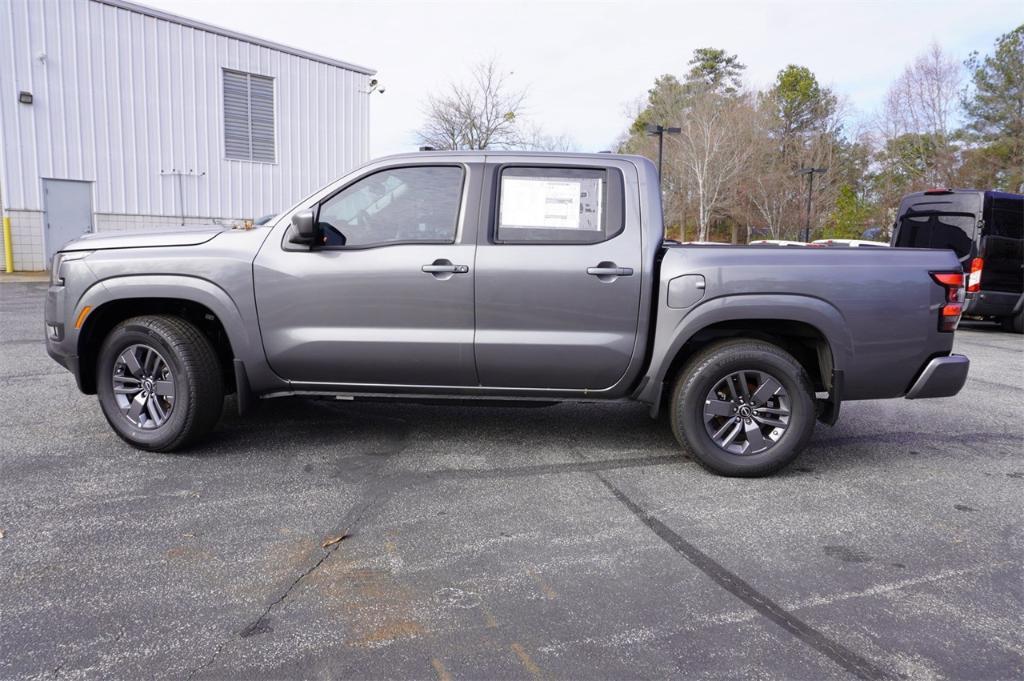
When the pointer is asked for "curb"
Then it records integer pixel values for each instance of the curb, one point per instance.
(24, 278)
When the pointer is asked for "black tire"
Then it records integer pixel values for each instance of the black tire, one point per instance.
(194, 371)
(711, 368)
(1014, 323)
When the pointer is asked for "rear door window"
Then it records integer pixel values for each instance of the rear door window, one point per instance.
(558, 205)
(937, 230)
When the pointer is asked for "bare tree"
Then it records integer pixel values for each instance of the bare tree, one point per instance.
(533, 138)
(767, 185)
(481, 114)
(918, 117)
(774, 198)
(713, 147)
(929, 90)
(485, 113)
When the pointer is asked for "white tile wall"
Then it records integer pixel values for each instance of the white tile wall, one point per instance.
(27, 240)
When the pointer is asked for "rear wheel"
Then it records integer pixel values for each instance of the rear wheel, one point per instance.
(159, 382)
(743, 408)
(1014, 323)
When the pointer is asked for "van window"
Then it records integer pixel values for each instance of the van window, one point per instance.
(937, 230)
(1007, 218)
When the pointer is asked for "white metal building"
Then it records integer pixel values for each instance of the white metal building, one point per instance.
(115, 116)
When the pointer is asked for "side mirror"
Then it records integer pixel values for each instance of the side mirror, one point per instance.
(303, 229)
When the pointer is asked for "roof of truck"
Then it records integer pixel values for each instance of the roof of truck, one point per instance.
(511, 153)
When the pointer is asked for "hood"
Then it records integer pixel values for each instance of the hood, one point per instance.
(147, 239)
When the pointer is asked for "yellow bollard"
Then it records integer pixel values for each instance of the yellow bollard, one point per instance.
(8, 248)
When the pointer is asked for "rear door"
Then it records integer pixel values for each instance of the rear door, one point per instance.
(1003, 243)
(558, 274)
(941, 219)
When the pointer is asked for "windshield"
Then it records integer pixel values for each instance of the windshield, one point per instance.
(937, 230)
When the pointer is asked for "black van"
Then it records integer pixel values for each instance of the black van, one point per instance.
(986, 230)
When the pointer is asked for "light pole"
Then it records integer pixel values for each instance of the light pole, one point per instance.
(810, 173)
(660, 131)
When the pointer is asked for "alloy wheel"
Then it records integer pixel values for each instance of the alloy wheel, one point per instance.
(746, 412)
(143, 386)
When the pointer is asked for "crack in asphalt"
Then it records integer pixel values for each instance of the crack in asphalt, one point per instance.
(257, 626)
(994, 384)
(216, 652)
(587, 466)
(911, 437)
(731, 582)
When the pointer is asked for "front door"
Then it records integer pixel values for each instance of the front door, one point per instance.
(386, 297)
(558, 278)
(68, 212)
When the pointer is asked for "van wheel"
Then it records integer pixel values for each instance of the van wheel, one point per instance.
(159, 383)
(744, 408)
(1014, 323)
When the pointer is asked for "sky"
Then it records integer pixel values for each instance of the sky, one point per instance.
(585, 64)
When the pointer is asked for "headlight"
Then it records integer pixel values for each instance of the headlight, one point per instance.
(56, 277)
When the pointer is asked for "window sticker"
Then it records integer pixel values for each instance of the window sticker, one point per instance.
(551, 203)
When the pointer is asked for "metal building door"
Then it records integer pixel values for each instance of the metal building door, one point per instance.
(68, 212)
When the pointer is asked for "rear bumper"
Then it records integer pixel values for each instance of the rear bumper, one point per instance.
(991, 303)
(941, 377)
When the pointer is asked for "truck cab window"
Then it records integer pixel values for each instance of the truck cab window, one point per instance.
(397, 205)
(559, 205)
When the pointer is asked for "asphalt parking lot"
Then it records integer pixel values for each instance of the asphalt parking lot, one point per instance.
(570, 541)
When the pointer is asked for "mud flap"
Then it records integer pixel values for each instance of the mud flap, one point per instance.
(829, 412)
(243, 393)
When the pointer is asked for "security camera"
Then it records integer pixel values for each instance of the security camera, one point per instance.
(373, 82)
(380, 90)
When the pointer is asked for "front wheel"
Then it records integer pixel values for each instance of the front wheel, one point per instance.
(159, 382)
(743, 408)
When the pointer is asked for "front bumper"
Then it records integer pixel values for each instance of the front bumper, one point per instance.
(69, 362)
(941, 377)
(61, 341)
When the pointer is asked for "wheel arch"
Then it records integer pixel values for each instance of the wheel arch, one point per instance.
(810, 329)
(203, 304)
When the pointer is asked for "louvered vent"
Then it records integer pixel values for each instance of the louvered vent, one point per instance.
(248, 117)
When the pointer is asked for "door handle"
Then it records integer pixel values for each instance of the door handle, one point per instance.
(603, 270)
(450, 269)
(444, 269)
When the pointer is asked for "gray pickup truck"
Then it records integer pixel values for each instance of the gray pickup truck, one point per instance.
(501, 276)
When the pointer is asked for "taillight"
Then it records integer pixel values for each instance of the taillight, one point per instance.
(953, 282)
(974, 278)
